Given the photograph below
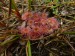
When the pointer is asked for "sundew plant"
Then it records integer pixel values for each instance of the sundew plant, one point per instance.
(37, 27)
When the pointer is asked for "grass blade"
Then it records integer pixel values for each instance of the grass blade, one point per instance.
(70, 33)
(28, 49)
(9, 40)
(9, 8)
(29, 4)
(13, 6)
